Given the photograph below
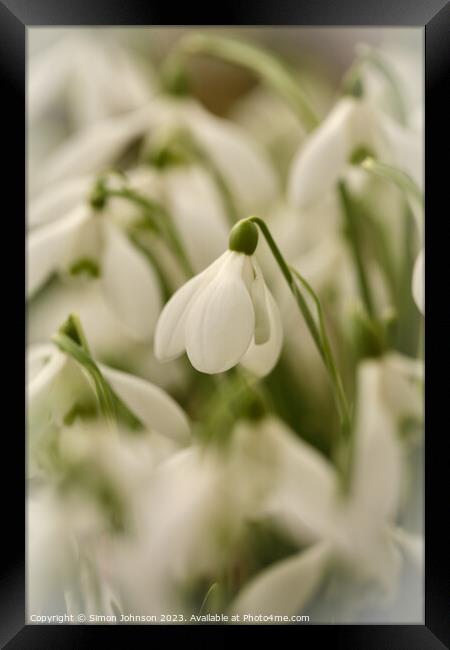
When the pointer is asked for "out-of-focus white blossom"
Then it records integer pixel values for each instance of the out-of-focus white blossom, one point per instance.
(79, 72)
(242, 162)
(56, 382)
(86, 236)
(351, 126)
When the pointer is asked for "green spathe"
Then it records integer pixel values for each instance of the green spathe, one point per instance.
(244, 237)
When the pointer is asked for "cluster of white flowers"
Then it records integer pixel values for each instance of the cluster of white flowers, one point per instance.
(277, 469)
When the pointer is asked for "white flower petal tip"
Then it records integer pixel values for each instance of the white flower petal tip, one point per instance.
(287, 586)
(318, 164)
(44, 363)
(216, 316)
(261, 358)
(418, 282)
(154, 407)
(49, 246)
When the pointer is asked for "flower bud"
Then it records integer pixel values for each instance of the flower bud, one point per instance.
(243, 237)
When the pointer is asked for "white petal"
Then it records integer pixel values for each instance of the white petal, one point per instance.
(129, 284)
(44, 364)
(221, 319)
(261, 359)
(402, 386)
(418, 281)
(377, 452)
(45, 385)
(48, 72)
(95, 147)
(412, 544)
(94, 93)
(242, 162)
(302, 498)
(287, 586)
(406, 147)
(48, 246)
(258, 295)
(322, 159)
(149, 403)
(58, 201)
(169, 334)
(198, 213)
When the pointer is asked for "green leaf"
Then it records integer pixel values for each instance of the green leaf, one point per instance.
(71, 340)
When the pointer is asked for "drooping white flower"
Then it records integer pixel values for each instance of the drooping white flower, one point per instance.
(358, 529)
(87, 237)
(353, 126)
(56, 384)
(224, 315)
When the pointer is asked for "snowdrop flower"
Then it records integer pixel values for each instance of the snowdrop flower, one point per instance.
(352, 130)
(359, 530)
(85, 239)
(242, 162)
(186, 191)
(224, 315)
(181, 520)
(56, 384)
(80, 72)
(212, 496)
(107, 338)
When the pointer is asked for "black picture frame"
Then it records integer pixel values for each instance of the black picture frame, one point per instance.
(434, 16)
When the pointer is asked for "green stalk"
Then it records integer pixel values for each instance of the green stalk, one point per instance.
(264, 64)
(71, 340)
(338, 388)
(160, 221)
(285, 270)
(183, 147)
(401, 179)
(319, 334)
(348, 212)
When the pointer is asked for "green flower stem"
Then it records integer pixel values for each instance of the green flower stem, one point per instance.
(318, 333)
(291, 282)
(339, 393)
(407, 332)
(348, 211)
(71, 340)
(206, 598)
(270, 69)
(401, 179)
(160, 221)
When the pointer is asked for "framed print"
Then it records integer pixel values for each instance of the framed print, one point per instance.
(224, 272)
